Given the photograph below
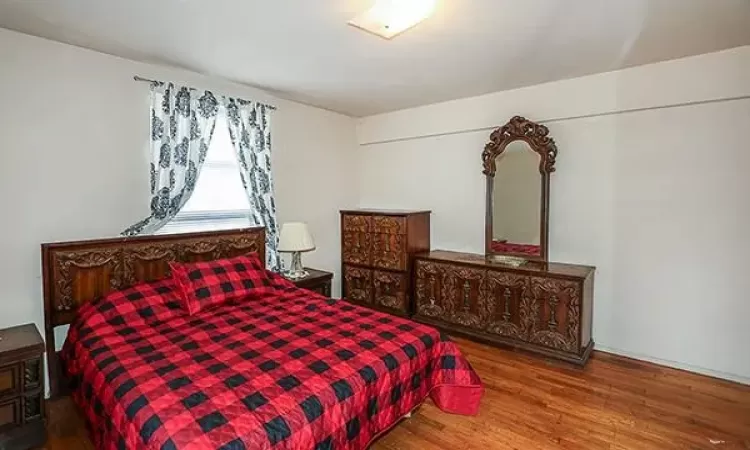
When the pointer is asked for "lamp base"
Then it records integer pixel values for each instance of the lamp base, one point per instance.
(296, 271)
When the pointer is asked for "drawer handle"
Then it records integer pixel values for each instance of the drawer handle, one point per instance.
(553, 302)
(467, 293)
(431, 291)
(506, 312)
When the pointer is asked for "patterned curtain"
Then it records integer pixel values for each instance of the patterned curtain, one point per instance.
(182, 123)
(250, 130)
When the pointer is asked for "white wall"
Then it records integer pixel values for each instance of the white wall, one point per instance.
(657, 199)
(73, 158)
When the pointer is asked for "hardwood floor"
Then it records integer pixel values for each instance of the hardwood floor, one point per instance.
(614, 403)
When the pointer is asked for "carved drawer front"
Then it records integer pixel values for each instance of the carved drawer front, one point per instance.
(9, 379)
(555, 313)
(428, 289)
(465, 295)
(357, 248)
(357, 284)
(32, 373)
(389, 251)
(10, 413)
(356, 224)
(509, 305)
(389, 290)
(389, 224)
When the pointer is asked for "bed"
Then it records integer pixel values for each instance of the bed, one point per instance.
(284, 369)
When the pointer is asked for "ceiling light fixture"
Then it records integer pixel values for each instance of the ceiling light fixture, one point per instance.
(388, 18)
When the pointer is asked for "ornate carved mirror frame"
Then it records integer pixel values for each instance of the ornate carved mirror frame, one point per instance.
(536, 136)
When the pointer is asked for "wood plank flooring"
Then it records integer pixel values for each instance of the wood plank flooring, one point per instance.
(529, 403)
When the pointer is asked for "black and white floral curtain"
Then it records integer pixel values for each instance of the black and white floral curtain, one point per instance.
(250, 130)
(182, 123)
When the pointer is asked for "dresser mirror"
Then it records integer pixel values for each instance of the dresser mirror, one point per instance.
(517, 163)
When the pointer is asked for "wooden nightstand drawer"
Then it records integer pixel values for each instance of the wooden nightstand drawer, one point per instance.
(9, 376)
(324, 289)
(317, 281)
(10, 413)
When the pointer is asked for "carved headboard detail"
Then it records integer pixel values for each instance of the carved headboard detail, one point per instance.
(74, 273)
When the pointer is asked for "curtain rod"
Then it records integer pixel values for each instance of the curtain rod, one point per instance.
(148, 80)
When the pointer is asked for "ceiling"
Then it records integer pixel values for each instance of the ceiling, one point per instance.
(304, 51)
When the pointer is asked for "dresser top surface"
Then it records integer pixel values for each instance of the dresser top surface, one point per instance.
(384, 212)
(530, 267)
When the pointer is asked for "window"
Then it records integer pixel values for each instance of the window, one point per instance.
(219, 200)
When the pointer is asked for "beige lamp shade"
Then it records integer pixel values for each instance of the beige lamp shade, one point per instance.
(296, 237)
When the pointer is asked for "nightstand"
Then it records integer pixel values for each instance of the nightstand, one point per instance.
(22, 404)
(318, 281)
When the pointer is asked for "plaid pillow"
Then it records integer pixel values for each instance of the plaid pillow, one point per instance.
(209, 283)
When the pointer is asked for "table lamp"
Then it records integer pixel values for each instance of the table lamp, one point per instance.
(295, 238)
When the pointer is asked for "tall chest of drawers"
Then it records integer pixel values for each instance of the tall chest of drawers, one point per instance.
(376, 255)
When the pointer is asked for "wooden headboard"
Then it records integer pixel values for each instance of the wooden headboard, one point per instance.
(74, 273)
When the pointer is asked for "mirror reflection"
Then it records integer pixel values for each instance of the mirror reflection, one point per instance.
(516, 201)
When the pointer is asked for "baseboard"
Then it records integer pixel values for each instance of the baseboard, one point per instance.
(676, 365)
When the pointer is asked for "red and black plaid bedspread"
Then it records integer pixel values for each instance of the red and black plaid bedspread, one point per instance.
(292, 370)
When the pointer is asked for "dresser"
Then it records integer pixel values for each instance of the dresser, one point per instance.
(542, 307)
(376, 254)
(22, 406)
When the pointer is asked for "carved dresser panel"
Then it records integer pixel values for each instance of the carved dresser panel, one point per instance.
(376, 250)
(541, 307)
